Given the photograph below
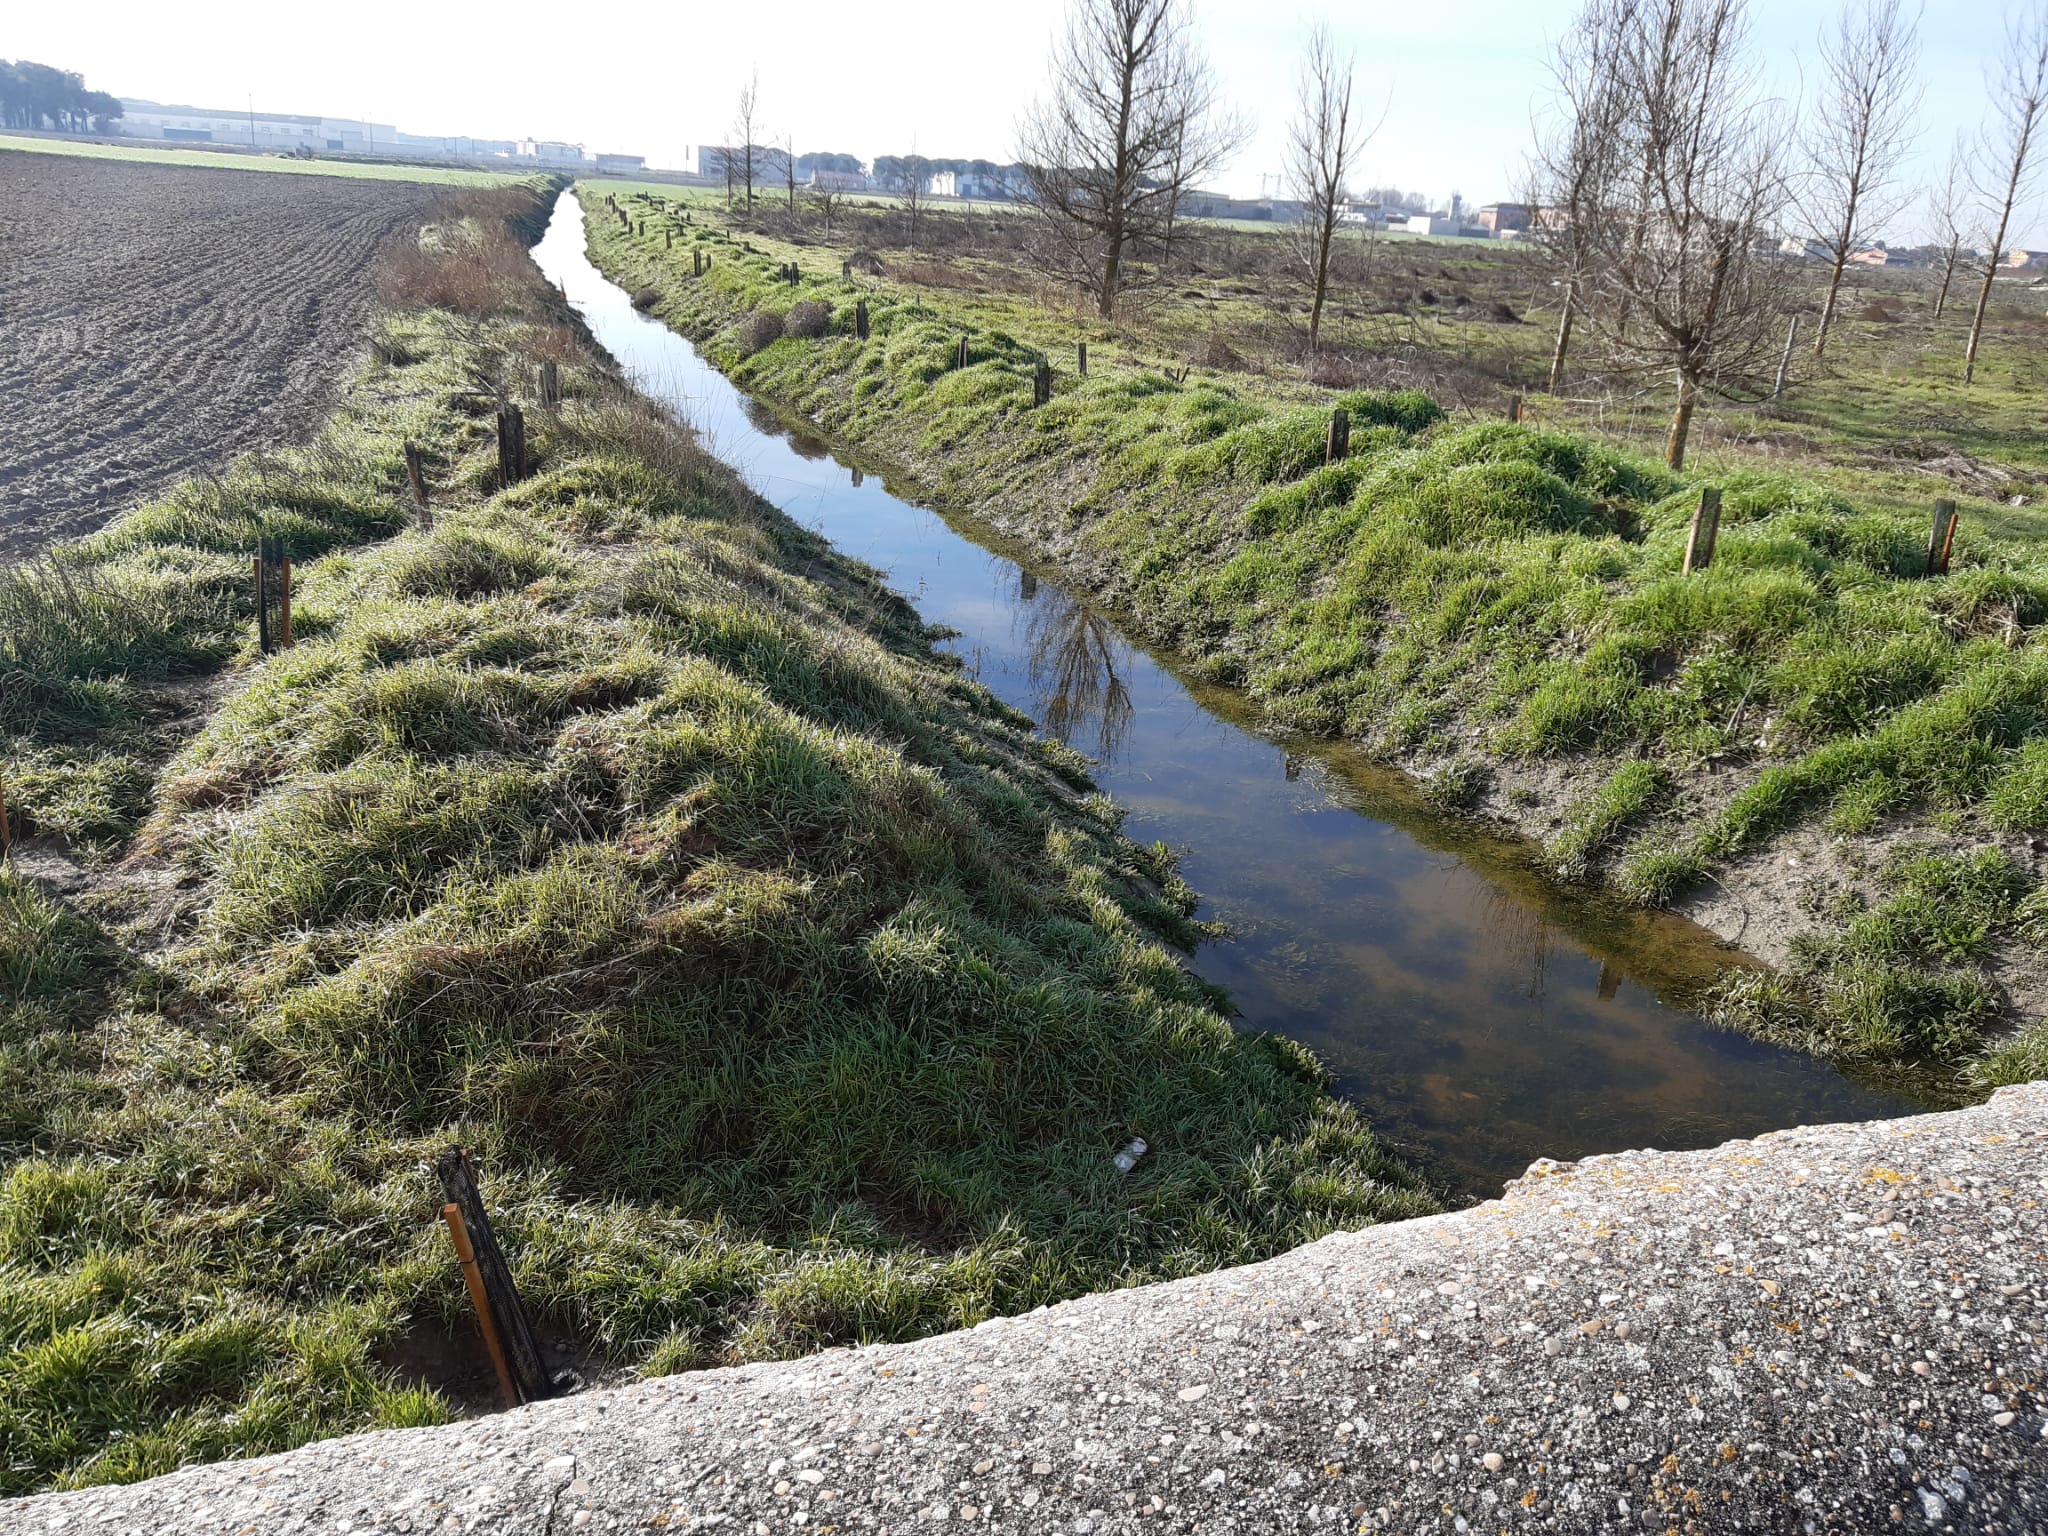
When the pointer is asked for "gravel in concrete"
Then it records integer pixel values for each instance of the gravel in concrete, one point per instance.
(1837, 1328)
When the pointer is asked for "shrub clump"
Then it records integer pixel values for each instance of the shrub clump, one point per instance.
(808, 319)
(762, 328)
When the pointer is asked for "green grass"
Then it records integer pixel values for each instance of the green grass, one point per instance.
(789, 991)
(1458, 594)
(365, 170)
(1897, 981)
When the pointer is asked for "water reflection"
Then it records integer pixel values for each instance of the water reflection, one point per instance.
(1077, 661)
(1522, 935)
(1480, 1013)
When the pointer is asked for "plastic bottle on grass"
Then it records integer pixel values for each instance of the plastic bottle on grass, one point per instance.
(1127, 1159)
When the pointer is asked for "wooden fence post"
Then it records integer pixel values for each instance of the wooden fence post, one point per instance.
(668, 239)
(860, 319)
(550, 383)
(1942, 537)
(1083, 357)
(1706, 526)
(1041, 383)
(6, 834)
(417, 476)
(1515, 409)
(1337, 444)
(511, 446)
(846, 271)
(961, 361)
(529, 1375)
(1785, 361)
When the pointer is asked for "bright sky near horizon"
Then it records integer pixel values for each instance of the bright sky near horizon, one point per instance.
(1458, 79)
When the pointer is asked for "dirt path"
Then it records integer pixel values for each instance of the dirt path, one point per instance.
(154, 322)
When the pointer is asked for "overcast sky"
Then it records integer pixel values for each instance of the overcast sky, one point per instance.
(1458, 78)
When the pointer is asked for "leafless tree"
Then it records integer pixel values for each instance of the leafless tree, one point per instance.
(1576, 161)
(1323, 144)
(1678, 209)
(1948, 218)
(787, 154)
(912, 184)
(746, 122)
(827, 200)
(1861, 130)
(2004, 162)
(1132, 122)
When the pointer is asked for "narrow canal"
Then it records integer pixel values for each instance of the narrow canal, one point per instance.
(1480, 1014)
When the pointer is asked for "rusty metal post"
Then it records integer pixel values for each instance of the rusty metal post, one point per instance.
(465, 1255)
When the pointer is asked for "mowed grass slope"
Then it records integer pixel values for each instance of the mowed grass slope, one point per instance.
(1485, 599)
(788, 990)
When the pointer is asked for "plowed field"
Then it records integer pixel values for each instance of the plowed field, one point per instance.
(156, 321)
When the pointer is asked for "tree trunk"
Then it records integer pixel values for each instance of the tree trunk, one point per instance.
(1827, 307)
(1564, 339)
(1315, 312)
(1681, 422)
(1977, 320)
(1948, 273)
(1112, 268)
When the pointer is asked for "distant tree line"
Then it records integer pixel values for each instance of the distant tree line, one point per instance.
(891, 168)
(37, 96)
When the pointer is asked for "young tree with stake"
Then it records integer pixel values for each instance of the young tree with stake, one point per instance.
(1947, 216)
(911, 181)
(745, 124)
(1322, 146)
(1678, 210)
(2007, 146)
(1575, 164)
(1131, 123)
(1860, 134)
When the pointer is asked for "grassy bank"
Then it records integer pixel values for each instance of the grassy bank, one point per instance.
(788, 990)
(1500, 607)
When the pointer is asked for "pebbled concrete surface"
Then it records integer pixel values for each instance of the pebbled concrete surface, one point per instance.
(1839, 1328)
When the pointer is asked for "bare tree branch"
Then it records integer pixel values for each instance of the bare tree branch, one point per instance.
(1860, 134)
(1948, 216)
(2003, 168)
(1323, 144)
(1132, 122)
(1678, 196)
(745, 124)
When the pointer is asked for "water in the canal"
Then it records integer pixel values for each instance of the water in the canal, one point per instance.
(1481, 1015)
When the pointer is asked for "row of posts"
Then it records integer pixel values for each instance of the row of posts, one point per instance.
(273, 564)
(1700, 537)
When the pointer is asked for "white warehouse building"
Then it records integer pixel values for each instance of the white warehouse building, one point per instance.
(257, 130)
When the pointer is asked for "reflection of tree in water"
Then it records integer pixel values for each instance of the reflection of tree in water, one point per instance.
(1077, 661)
(1520, 933)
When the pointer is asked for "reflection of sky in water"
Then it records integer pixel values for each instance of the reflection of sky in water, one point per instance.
(1482, 1016)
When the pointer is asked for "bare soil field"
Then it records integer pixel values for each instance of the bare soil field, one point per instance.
(154, 322)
